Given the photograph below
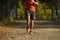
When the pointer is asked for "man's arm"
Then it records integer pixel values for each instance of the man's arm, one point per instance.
(35, 2)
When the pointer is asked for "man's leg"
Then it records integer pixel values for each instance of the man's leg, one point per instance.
(28, 23)
(32, 22)
(32, 25)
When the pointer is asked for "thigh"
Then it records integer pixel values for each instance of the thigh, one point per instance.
(27, 14)
(32, 15)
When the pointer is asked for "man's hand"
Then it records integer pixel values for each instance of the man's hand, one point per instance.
(35, 2)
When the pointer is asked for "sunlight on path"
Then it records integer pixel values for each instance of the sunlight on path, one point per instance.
(9, 33)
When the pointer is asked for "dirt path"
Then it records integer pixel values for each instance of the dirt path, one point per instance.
(11, 33)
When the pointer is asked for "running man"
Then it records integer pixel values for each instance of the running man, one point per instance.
(30, 14)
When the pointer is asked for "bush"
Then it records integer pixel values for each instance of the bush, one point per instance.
(43, 10)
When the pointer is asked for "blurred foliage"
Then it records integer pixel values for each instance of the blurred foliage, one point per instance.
(43, 10)
(58, 9)
(20, 10)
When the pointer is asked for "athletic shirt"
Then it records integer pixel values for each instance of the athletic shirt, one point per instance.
(30, 6)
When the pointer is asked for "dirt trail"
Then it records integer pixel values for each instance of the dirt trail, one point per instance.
(12, 33)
